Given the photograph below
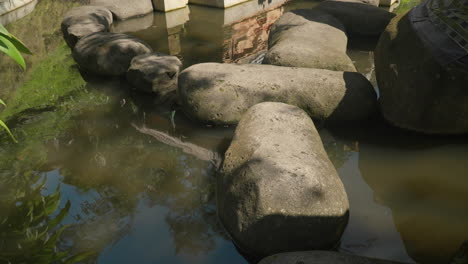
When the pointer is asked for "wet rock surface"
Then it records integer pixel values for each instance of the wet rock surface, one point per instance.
(321, 257)
(124, 9)
(222, 93)
(417, 92)
(358, 18)
(154, 73)
(108, 53)
(84, 20)
(277, 190)
(302, 38)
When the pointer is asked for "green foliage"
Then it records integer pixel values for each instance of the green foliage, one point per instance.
(48, 81)
(30, 229)
(12, 46)
(406, 5)
(2, 124)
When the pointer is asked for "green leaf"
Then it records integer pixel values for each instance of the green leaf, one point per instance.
(52, 203)
(7, 47)
(58, 219)
(54, 237)
(18, 44)
(2, 124)
(2, 102)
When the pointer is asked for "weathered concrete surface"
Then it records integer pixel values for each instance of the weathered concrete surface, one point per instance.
(358, 18)
(418, 93)
(7, 6)
(233, 14)
(169, 5)
(154, 73)
(17, 13)
(124, 9)
(321, 257)
(222, 93)
(84, 20)
(105, 53)
(218, 3)
(277, 190)
(310, 39)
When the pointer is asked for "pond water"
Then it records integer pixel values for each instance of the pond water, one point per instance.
(136, 181)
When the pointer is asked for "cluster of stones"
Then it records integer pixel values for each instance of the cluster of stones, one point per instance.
(277, 191)
(86, 30)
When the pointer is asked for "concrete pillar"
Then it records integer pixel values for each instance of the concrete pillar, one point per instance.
(169, 5)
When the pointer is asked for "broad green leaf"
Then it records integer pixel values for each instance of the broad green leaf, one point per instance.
(18, 44)
(9, 49)
(2, 124)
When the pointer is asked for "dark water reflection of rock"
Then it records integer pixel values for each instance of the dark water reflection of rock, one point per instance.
(416, 203)
(424, 182)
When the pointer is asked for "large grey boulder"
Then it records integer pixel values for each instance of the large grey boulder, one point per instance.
(221, 93)
(84, 20)
(154, 73)
(358, 18)
(105, 53)
(277, 191)
(321, 257)
(417, 92)
(124, 9)
(310, 39)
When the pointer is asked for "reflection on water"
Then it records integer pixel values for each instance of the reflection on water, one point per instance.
(140, 178)
(426, 187)
(200, 34)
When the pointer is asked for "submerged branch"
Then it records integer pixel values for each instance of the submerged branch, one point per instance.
(186, 147)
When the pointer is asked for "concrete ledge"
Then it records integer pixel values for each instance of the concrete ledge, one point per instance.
(232, 14)
(218, 3)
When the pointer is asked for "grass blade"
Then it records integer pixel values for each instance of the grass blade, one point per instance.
(7, 47)
(2, 124)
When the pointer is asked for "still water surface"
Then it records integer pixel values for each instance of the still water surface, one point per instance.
(140, 178)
